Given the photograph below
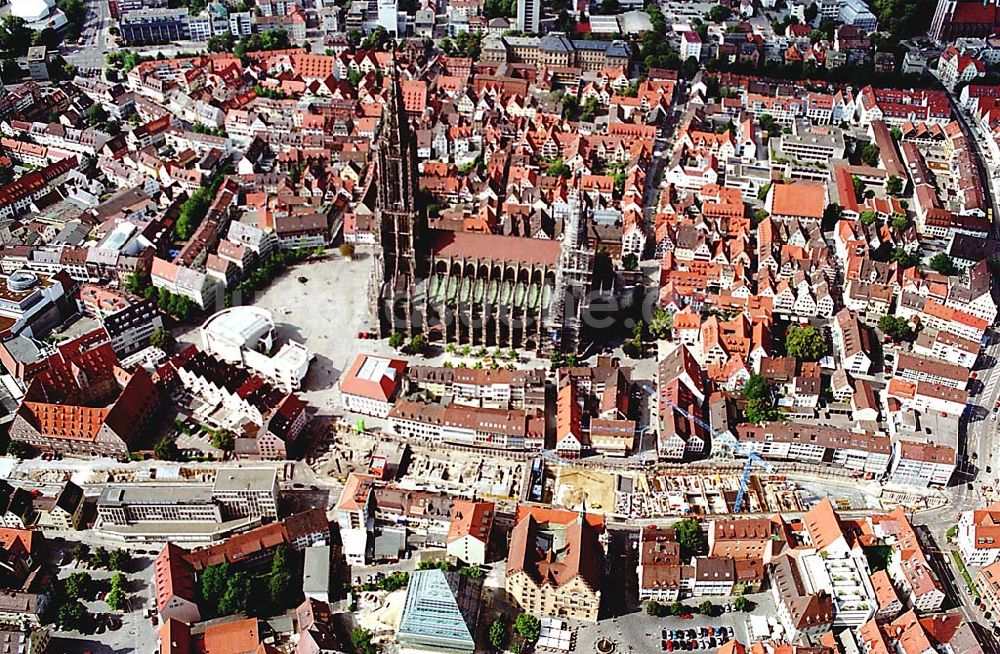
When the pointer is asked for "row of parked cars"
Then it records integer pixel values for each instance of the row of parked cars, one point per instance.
(695, 638)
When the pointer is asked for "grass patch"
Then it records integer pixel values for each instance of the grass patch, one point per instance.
(965, 573)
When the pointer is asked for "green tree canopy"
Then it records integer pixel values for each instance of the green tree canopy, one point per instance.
(163, 339)
(944, 264)
(76, 585)
(15, 37)
(527, 627)
(898, 329)
(806, 343)
(718, 13)
(870, 154)
(905, 259)
(71, 616)
(118, 559)
(690, 537)
(498, 634)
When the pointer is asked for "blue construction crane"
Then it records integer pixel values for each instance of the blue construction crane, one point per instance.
(751, 456)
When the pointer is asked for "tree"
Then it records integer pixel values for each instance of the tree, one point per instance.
(223, 440)
(741, 604)
(136, 283)
(118, 559)
(237, 595)
(759, 402)
(347, 250)
(76, 16)
(859, 187)
(630, 262)
(99, 558)
(11, 72)
(590, 108)
(116, 598)
(498, 634)
(48, 37)
(166, 449)
(706, 608)
(811, 12)
(281, 589)
(376, 40)
(867, 217)
(396, 340)
(527, 627)
(894, 185)
(79, 552)
(192, 213)
(897, 134)
(76, 585)
(163, 339)
(756, 387)
(221, 43)
(417, 344)
(212, 583)
(898, 329)
(870, 154)
(943, 264)
(661, 324)
(15, 37)
(718, 13)
(362, 641)
(900, 222)
(690, 537)
(676, 608)
(558, 168)
(831, 215)
(905, 259)
(71, 616)
(96, 115)
(816, 36)
(806, 343)
(766, 122)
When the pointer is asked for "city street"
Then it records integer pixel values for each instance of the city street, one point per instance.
(90, 54)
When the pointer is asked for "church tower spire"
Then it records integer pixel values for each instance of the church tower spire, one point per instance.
(398, 220)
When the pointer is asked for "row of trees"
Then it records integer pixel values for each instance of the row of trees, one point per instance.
(116, 560)
(661, 610)
(269, 268)
(417, 344)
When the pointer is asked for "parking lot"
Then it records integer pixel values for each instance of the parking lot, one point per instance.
(641, 633)
(129, 631)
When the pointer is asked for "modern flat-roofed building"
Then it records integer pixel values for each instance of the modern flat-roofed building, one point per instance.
(154, 26)
(123, 505)
(238, 498)
(316, 573)
(131, 327)
(251, 492)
